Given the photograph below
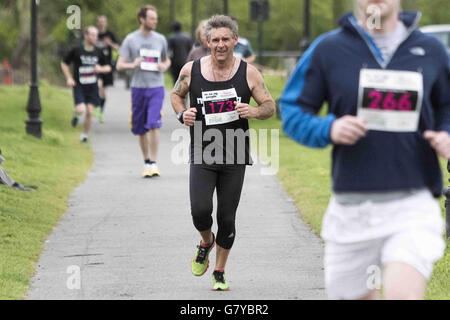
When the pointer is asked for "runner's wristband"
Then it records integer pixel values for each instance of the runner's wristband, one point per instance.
(180, 117)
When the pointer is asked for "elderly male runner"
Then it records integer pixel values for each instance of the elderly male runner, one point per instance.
(388, 91)
(220, 87)
(145, 52)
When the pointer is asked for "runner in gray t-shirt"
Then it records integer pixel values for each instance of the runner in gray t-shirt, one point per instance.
(152, 48)
(145, 52)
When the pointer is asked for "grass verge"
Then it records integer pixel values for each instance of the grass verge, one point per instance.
(305, 175)
(56, 164)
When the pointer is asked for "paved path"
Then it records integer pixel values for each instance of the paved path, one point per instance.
(133, 238)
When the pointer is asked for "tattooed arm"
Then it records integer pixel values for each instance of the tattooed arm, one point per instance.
(181, 88)
(266, 105)
(179, 92)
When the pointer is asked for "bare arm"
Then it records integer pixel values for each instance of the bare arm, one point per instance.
(250, 59)
(260, 93)
(123, 64)
(111, 43)
(181, 88)
(115, 46)
(66, 70)
(164, 65)
(440, 141)
(102, 69)
(178, 95)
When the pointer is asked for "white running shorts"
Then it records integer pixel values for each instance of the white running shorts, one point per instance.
(361, 238)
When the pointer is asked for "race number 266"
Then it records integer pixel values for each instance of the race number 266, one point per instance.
(384, 100)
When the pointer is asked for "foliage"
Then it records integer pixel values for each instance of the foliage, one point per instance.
(56, 164)
(283, 31)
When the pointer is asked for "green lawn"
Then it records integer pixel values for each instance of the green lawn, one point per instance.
(56, 164)
(305, 175)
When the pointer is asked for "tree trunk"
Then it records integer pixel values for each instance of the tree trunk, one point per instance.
(23, 14)
(17, 57)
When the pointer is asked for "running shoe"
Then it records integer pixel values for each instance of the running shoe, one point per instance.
(74, 120)
(83, 138)
(154, 171)
(200, 263)
(147, 171)
(219, 281)
(97, 112)
(101, 118)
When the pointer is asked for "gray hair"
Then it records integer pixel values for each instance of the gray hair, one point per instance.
(221, 21)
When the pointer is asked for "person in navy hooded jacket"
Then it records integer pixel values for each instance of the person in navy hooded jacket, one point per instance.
(387, 86)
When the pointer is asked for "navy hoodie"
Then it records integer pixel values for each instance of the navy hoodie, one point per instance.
(329, 72)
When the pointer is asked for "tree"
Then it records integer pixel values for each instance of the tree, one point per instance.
(283, 31)
(22, 8)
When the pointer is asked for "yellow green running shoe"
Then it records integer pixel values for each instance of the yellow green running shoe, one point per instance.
(97, 112)
(219, 281)
(101, 118)
(200, 263)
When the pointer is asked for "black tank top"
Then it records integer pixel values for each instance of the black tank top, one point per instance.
(219, 135)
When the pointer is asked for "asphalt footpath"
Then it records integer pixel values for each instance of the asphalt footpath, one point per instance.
(124, 237)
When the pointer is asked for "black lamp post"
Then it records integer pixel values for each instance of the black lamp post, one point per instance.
(34, 123)
(225, 7)
(305, 42)
(259, 11)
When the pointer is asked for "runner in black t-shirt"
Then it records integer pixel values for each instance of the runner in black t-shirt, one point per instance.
(87, 62)
(107, 41)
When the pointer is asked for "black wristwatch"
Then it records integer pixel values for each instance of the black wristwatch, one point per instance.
(180, 116)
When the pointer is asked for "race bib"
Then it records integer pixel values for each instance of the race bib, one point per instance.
(151, 59)
(218, 106)
(390, 100)
(87, 75)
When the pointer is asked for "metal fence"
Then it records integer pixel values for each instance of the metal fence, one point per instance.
(283, 61)
(19, 77)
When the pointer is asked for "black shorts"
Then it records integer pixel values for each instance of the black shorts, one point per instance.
(107, 78)
(87, 94)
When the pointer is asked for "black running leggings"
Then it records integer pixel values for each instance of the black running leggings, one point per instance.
(227, 180)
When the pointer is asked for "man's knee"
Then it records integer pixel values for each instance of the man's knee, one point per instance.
(80, 108)
(89, 111)
(201, 216)
(403, 282)
(399, 293)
